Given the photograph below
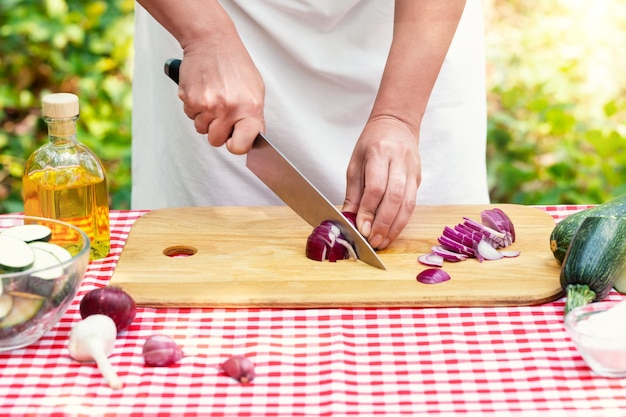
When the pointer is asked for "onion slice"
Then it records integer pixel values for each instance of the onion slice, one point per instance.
(485, 251)
(430, 259)
(433, 276)
(448, 255)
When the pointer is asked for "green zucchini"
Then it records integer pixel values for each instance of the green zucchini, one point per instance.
(562, 233)
(594, 260)
(19, 317)
(15, 254)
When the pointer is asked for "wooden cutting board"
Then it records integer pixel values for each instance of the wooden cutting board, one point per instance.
(254, 257)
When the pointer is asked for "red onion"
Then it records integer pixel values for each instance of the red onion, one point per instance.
(472, 239)
(327, 242)
(430, 259)
(111, 301)
(485, 251)
(448, 255)
(433, 276)
(161, 350)
(240, 368)
(497, 219)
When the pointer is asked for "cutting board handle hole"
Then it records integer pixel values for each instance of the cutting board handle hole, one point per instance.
(180, 251)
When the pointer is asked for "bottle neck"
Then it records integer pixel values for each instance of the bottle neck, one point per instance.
(61, 129)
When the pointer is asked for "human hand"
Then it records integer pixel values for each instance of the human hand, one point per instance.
(223, 92)
(382, 179)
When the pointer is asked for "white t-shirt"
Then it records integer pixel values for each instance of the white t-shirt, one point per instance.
(321, 61)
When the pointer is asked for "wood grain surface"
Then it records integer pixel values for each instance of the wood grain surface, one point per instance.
(254, 257)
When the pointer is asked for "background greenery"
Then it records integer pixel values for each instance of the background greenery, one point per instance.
(556, 93)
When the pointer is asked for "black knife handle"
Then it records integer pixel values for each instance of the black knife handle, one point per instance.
(172, 68)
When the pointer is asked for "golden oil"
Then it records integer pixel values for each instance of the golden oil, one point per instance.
(65, 180)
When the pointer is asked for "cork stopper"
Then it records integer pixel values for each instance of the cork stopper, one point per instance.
(60, 106)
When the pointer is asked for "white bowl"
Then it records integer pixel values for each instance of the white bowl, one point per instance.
(31, 312)
(602, 344)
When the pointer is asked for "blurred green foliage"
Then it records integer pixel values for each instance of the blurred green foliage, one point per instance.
(547, 143)
(542, 151)
(557, 107)
(74, 46)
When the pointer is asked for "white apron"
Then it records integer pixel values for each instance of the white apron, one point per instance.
(321, 61)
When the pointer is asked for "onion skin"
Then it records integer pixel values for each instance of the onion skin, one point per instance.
(110, 301)
(161, 350)
(240, 368)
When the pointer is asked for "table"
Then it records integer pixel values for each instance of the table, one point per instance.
(513, 361)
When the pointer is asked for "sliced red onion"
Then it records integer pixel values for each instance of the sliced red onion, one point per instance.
(433, 276)
(466, 239)
(510, 253)
(455, 246)
(501, 221)
(448, 255)
(430, 259)
(485, 251)
(471, 239)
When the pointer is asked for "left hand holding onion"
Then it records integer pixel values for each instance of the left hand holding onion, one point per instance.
(383, 176)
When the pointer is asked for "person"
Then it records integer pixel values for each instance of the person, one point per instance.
(381, 104)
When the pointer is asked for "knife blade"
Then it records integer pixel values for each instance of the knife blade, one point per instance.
(294, 189)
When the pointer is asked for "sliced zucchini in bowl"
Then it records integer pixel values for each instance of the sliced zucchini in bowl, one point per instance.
(22, 312)
(29, 232)
(15, 254)
(6, 304)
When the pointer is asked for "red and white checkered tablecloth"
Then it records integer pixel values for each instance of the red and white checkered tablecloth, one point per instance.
(513, 361)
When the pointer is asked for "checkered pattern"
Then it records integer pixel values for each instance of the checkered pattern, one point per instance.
(515, 361)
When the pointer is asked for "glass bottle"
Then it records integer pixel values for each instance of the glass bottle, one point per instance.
(65, 180)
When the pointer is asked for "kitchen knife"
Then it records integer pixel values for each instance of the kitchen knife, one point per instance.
(284, 179)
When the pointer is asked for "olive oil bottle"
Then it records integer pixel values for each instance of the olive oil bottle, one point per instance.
(65, 180)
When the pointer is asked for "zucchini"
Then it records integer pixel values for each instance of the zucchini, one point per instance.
(29, 232)
(15, 254)
(6, 304)
(594, 260)
(563, 232)
(620, 283)
(22, 312)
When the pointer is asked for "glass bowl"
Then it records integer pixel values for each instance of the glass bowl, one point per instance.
(33, 300)
(600, 340)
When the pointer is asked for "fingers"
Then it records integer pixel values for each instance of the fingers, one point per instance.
(223, 93)
(383, 177)
(387, 203)
(243, 136)
(395, 209)
(376, 178)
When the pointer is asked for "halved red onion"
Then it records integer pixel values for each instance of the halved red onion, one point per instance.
(433, 276)
(327, 242)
